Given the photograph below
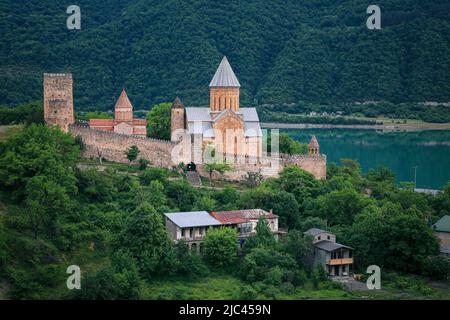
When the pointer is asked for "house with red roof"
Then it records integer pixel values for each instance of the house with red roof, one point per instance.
(192, 226)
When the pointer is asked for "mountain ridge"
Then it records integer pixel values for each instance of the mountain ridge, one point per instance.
(281, 51)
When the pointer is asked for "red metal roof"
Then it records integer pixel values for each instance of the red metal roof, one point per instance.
(241, 216)
(101, 122)
(140, 122)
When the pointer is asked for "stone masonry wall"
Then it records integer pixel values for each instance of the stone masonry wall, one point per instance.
(314, 164)
(58, 100)
(112, 146)
(270, 167)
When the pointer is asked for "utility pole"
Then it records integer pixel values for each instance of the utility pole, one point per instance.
(415, 177)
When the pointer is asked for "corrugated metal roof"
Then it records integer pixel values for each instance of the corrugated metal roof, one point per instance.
(224, 76)
(253, 129)
(443, 224)
(199, 121)
(203, 114)
(241, 216)
(330, 246)
(315, 231)
(192, 219)
(198, 114)
(250, 114)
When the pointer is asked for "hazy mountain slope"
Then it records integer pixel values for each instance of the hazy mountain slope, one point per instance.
(282, 51)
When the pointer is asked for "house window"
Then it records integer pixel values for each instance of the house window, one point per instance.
(328, 237)
(182, 232)
(191, 232)
(319, 237)
(244, 227)
(200, 231)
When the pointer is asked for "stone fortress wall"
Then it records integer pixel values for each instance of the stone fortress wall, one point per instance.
(111, 146)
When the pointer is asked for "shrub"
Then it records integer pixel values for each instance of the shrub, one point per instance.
(436, 267)
(143, 164)
(220, 246)
(151, 174)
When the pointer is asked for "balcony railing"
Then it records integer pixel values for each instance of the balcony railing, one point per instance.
(336, 262)
(194, 238)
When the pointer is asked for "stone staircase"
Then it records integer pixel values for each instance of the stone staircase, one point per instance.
(194, 178)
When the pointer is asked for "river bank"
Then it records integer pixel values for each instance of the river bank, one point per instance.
(388, 127)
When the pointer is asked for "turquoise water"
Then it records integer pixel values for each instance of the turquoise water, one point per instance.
(399, 151)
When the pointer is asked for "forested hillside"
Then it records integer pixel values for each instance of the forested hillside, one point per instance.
(283, 51)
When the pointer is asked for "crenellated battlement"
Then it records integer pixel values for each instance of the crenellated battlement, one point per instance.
(112, 144)
(58, 75)
(116, 135)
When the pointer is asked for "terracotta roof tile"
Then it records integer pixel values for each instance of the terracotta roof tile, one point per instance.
(241, 216)
(141, 122)
(101, 122)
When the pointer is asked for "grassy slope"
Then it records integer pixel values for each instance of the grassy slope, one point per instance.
(229, 287)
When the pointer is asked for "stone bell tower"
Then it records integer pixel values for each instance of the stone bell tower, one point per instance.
(177, 119)
(313, 146)
(224, 89)
(58, 100)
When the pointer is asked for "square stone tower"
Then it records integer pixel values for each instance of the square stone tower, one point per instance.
(58, 100)
(177, 119)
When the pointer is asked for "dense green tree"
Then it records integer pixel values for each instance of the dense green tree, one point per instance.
(144, 238)
(97, 186)
(227, 199)
(299, 247)
(271, 266)
(291, 146)
(282, 203)
(132, 153)
(158, 121)
(119, 281)
(38, 151)
(338, 207)
(189, 263)
(154, 194)
(26, 113)
(181, 194)
(220, 247)
(391, 237)
(152, 174)
(297, 181)
(262, 238)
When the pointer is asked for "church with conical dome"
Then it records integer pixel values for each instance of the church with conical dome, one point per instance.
(123, 121)
(224, 131)
(229, 129)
